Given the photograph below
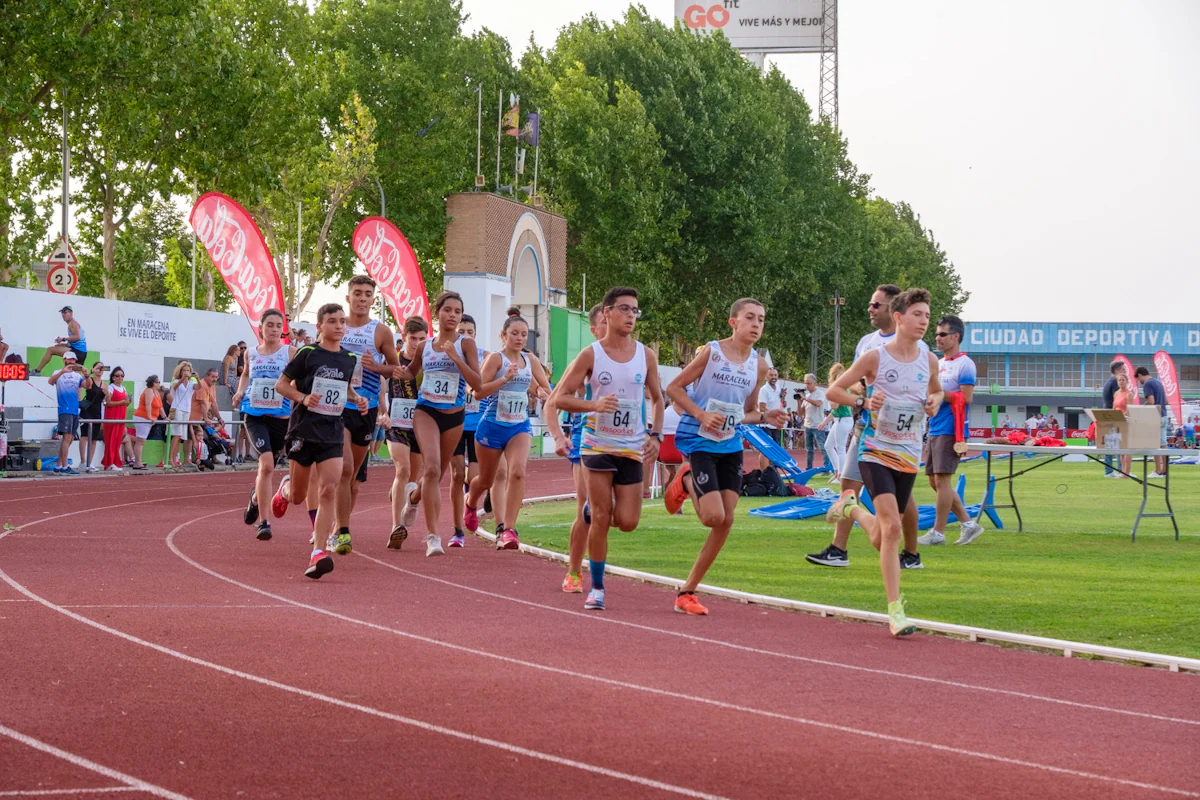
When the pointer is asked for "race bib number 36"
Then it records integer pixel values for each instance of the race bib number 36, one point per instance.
(439, 387)
(622, 423)
(899, 423)
(510, 407)
(331, 396)
(732, 412)
(402, 413)
(263, 395)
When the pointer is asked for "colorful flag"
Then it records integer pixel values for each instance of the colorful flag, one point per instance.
(239, 252)
(1165, 366)
(391, 262)
(531, 133)
(512, 119)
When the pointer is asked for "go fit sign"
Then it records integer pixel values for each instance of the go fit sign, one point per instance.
(699, 17)
(779, 26)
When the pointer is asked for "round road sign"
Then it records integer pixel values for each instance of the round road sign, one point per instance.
(62, 279)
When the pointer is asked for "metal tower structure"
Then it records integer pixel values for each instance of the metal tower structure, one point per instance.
(828, 93)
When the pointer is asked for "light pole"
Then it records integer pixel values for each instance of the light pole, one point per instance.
(837, 301)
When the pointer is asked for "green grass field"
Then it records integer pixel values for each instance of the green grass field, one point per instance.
(1073, 573)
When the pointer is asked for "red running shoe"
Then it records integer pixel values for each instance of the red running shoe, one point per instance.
(470, 518)
(675, 494)
(319, 564)
(279, 503)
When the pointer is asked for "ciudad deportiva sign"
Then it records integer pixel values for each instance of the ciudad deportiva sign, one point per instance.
(1067, 337)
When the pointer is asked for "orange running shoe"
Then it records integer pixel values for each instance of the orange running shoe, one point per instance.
(687, 603)
(676, 493)
(573, 583)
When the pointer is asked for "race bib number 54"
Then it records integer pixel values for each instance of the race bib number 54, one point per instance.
(899, 423)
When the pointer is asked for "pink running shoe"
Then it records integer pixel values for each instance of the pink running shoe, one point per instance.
(279, 504)
(508, 540)
(471, 518)
(319, 564)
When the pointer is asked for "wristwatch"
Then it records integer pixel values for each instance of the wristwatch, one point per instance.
(656, 434)
(860, 401)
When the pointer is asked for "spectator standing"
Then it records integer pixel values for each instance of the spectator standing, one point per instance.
(1155, 395)
(67, 382)
(1108, 391)
(229, 368)
(815, 431)
(149, 411)
(1122, 399)
(770, 397)
(956, 373)
(841, 424)
(116, 402)
(74, 342)
(1189, 433)
(181, 406)
(204, 409)
(3, 348)
(1007, 423)
(91, 407)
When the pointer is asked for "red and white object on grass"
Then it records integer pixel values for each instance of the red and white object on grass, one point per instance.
(391, 262)
(1164, 365)
(239, 252)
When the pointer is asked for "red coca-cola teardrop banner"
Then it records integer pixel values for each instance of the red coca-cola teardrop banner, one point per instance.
(1164, 365)
(240, 254)
(391, 262)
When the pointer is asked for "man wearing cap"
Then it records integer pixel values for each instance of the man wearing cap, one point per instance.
(74, 342)
(67, 382)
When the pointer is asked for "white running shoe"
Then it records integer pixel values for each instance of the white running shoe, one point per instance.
(970, 532)
(1157, 476)
(932, 538)
(408, 513)
(433, 545)
(115, 468)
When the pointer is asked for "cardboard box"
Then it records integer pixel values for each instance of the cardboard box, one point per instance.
(1141, 431)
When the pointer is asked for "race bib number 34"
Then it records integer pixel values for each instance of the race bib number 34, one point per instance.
(263, 395)
(732, 412)
(331, 396)
(622, 423)
(440, 387)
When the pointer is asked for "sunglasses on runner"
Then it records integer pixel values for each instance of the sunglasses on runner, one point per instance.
(874, 306)
(625, 308)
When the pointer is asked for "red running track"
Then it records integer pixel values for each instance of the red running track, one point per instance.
(153, 647)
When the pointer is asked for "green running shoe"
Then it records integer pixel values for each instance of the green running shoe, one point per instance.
(343, 543)
(897, 621)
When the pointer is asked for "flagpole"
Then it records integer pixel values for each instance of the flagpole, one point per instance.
(499, 125)
(537, 151)
(479, 132)
(517, 156)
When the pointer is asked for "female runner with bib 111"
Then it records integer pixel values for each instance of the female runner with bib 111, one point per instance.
(505, 429)
(449, 364)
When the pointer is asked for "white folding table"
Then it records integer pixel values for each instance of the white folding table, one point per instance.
(1095, 454)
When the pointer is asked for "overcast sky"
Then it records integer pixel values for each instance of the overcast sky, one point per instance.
(1053, 148)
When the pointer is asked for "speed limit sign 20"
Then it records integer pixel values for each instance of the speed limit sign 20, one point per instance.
(62, 279)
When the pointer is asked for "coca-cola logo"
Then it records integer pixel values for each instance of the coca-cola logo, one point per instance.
(390, 261)
(1166, 373)
(237, 250)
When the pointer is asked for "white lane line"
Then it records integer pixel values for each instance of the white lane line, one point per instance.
(79, 761)
(206, 606)
(776, 654)
(416, 723)
(638, 687)
(63, 792)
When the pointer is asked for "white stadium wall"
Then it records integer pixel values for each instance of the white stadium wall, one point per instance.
(142, 339)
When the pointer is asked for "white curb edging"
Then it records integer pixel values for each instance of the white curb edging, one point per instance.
(1068, 648)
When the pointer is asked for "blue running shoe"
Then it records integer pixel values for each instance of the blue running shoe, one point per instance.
(595, 600)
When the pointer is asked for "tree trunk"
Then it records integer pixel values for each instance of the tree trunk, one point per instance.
(6, 211)
(109, 251)
(210, 293)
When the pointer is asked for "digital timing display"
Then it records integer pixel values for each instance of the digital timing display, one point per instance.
(14, 372)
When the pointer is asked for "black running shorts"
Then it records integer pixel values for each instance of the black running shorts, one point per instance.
(360, 426)
(626, 471)
(404, 437)
(716, 472)
(466, 447)
(267, 435)
(306, 453)
(881, 480)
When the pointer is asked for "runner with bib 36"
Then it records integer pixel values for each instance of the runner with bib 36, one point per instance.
(904, 389)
